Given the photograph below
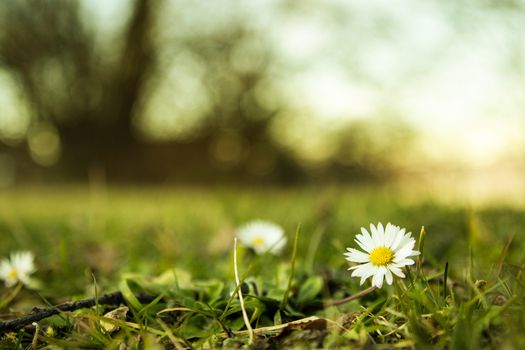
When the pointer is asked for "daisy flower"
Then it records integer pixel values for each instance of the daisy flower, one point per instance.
(17, 268)
(262, 236)
(387, 250)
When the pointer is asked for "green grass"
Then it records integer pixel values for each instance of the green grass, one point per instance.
(178, 244)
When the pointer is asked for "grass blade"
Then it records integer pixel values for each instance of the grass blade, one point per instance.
(292, 270)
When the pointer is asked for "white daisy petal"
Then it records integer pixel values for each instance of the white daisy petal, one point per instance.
(406, 262)
(375, 236)
(377, 280)
(366, 239)
(397, 271)
(398, 236)
(407, 242)
(390, 232)
(396, 265)
(381, 233)
(355, 255)
(404, 251)
(365, 243)
(396, 241)
(389, 277)
(365, 232)
(366, 275)
(401, 240)
(363, 270)
(5, 266)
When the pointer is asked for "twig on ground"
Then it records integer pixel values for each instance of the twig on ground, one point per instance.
(38, 314)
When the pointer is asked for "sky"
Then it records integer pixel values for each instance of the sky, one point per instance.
(451, 69)
(452, 80)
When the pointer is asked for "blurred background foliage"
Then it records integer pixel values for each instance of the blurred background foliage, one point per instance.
(423, 100)
(239, 92)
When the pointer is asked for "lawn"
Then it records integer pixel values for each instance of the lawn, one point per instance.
(169, 252)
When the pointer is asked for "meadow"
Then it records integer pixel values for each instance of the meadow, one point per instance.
(169, 252)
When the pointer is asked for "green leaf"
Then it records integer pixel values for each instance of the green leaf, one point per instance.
(310, 289)
(277, 318)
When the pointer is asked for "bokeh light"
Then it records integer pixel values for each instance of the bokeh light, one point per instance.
(264, 90)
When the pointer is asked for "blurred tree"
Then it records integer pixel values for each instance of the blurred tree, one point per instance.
(91, 101)
(88, 98)
(236, 128)
(372, 151)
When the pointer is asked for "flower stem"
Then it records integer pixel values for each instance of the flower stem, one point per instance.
(352, 297)
(239, 292)
(292, 268)
(4, 302)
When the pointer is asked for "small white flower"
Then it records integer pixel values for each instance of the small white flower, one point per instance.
(387, 251)
(17, 268)
(262, 236)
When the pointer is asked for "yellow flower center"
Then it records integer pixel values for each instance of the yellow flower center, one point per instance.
(381, 256)
(13, 274)
(258, 241)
